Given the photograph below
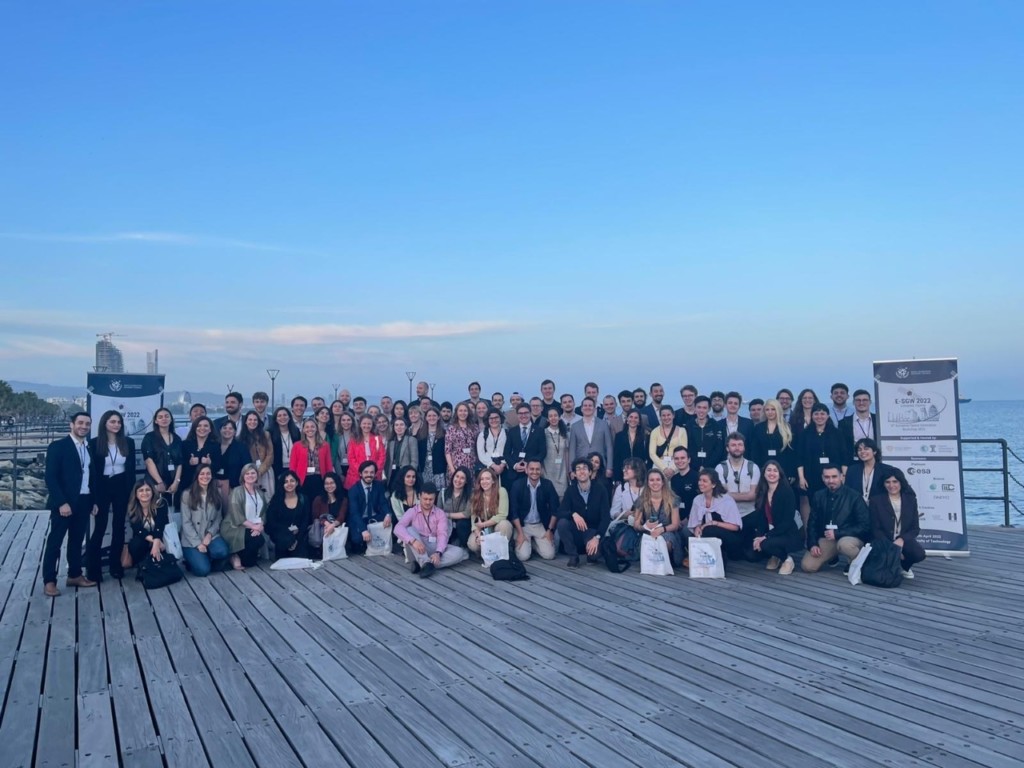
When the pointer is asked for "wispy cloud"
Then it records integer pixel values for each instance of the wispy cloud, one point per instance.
(155, 238)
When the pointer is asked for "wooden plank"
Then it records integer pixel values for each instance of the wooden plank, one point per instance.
(20, 715)
(55, 742)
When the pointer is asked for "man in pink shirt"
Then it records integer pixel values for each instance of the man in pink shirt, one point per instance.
(423, 531)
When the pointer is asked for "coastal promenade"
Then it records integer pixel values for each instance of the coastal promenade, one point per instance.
(360, 663)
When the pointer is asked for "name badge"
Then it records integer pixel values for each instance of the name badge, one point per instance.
(771, 451)
(170, 466)
(558, 459)
(831, 527)
(394, 467)
(522, 454)
(467, 451)
(771, 527)
(702, 454)
(432, 539)
(312, 471)
(823, 460)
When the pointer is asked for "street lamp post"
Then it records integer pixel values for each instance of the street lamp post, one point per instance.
(410, 375)
(432, 391)
(336, 388)
(272, 373)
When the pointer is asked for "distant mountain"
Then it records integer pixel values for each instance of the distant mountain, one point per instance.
(48, 390)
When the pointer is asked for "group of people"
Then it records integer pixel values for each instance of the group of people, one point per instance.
(794, 474)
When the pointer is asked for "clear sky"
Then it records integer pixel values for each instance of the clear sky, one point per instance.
(742, 194)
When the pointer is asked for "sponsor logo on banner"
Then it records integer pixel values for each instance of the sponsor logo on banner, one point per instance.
(115, 385)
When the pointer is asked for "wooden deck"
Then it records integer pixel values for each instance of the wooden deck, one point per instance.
(362, 664)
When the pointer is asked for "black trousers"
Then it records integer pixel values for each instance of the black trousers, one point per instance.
(912, 553)
(732, 541)
(249, 554)
(773, 546)
(74, 527)
(283, 542)
(573, 539)
(112, 499)
(139, 549)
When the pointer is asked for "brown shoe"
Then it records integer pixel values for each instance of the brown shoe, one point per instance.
(50, 589)
(773, 564)
(81, 581)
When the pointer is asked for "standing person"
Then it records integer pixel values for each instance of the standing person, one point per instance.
(162, 452)
(406, 493)
(630, 443)
(233, 411)
(614, 421)
(460, 440)
(382, 427)
(656, 514)
(283, 435)
(652, 409)
(197, 410)
(431, 451)
(533, 510)
(785, 399)
(228, 466)
(703, 436)
(547, 394)
(732, 421)
(685, 414)
(344, 435)
(756, 410)
(861, 424)
(201, 513)
(490, 445)
(299, 404)
(260, 401)
(198, 449)
(112, 461)
(325, 423)
(771, 532)
(717, 412)
(801, 417)
(840, 409)
(147, 513)
(773, 439)
(398, 409)
(664, 440)
(368, 446)
(457, 504)
(714, 515)
(261, 450)
(592, 435)
(523, 444)
(839, 523)
(68, 469)
(894, 518)
(288, 518)
(819, 446)
(311, 460)
(583, 515)
(403, 451)
(489, 509)
(243, 525)
(684, 483)
(423, 532)
(556, 451)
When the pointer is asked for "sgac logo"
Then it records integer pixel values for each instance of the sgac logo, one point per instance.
(115, 385)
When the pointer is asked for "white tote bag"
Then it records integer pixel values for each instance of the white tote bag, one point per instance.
(493, 547)
(172, 542)
(295, 564)
(706, 558)
(858, 563)
(380, 540)
(654, 559)
(334, 545)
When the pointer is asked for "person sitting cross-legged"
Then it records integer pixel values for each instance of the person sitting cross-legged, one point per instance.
(423, 531)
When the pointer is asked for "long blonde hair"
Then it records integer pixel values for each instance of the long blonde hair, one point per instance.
(780, 423)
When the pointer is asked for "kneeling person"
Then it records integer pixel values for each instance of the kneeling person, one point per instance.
(583, 514)
(534, 513)
(839, 521)
(423, 531)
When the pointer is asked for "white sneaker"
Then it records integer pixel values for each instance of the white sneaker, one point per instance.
(787, 567)
(908, 574)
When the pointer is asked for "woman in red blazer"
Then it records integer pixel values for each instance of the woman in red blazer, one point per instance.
(367, 447)
(311, 460)
(894, 518)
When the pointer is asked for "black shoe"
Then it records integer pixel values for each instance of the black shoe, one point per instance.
(427, 570)
(117, 574)
(833, 562)
(574, 562)
(416, 567)
(846, 571)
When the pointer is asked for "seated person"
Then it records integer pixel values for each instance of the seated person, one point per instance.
(583, 514)
(839, 522)
(147, 514)
(366, 504)
(488, 509)
(656, 514)
(714, 515)
(894, 517)
(201, 514)
(423, 531)
(770, 531)
(534, 512)
(288, 518)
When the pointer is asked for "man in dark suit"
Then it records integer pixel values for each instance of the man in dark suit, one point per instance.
(533, 510)
(861, 424)
(733, 422)
(520, 451)
(70, 502)
(366, 504)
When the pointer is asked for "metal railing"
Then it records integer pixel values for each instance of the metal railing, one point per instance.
(1004, 470)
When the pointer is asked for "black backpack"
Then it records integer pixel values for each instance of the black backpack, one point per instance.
(159, 573)
(610, 554)
(509, 570)
(882, 567)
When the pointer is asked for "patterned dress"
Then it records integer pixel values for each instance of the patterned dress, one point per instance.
(460, 445)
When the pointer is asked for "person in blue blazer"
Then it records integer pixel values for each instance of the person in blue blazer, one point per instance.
(366, 504)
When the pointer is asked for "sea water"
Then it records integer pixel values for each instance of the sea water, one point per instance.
(988, 419)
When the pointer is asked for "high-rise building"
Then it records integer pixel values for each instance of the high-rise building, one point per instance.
(153, 362)
(108, 357)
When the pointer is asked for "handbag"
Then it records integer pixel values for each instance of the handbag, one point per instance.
(315, 536)
(159, 573)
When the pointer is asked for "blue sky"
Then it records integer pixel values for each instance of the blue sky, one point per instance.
(747, 195)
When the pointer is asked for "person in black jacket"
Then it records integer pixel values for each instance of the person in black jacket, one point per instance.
(894, 517)
(839, 522)
(533, 510)
(520, 451)
(583, 515)
(770, 530)
(70, 500)
(147, 512)
(112, 467)
(288, 518)
(818, 446)
(704, 437)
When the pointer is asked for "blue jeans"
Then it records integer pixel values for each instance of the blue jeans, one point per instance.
(201, 563)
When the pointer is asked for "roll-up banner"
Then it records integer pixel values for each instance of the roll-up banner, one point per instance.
(136, 396)
(919, 433)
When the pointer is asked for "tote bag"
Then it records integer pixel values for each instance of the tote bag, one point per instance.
(706, 559)
(380, 540)
(334, 545)
(493, 547)
(654, 560)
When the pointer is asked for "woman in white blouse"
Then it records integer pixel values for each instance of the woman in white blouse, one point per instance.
(490, 444)
(112, 466)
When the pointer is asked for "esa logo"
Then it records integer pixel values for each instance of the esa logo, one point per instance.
(918, 471)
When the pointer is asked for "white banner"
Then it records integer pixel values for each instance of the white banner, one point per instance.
(919, 433)
(135, 396)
